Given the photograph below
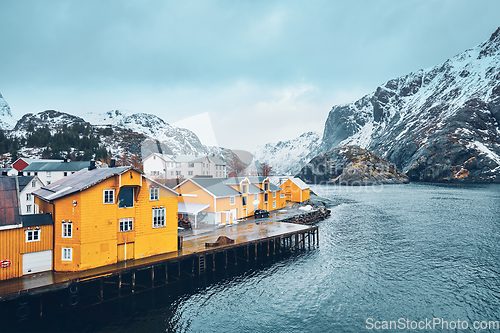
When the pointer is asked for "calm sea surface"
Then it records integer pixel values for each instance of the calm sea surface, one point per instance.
(416, 252)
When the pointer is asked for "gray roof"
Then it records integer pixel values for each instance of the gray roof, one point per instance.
(299, 183)
(77, 182)
(257, 179)
(273, 187)
(234, 180)
(252, 189)
(215, 186)
(23, 181)
(55, 166)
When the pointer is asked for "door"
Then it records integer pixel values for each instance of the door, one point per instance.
(36, 262)
(125, 251)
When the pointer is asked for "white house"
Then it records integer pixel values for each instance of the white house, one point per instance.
(49, 172)
(186, 166)
(28, 184)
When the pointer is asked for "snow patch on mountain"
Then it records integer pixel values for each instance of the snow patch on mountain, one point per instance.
(7, 122)
(288, 157)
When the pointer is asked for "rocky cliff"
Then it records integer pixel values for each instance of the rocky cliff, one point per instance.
(351, 165)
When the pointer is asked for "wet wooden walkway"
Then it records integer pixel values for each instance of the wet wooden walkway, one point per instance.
(280, 236)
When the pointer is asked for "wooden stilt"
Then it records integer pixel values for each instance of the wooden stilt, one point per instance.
(152, 276)
(166, 273)
(133, 282)
(120, 284)
(101, 293)
(213, 259)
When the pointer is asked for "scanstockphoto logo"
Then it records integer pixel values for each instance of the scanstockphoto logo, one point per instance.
(437, 324)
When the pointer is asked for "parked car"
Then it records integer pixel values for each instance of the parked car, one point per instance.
(261, 213)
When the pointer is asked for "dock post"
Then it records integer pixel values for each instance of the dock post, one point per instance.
(268, 248)
(274, 247)
(317, 233)
(256, 245)
(152, 276)
(133, 282)
(166, 273)
(248, 253)
(41, 312)
(179, 267)
(120, 284)
(192, 267)
(225, 252)
(236, 256)
(213, 259)
(297, 243)
(101, 287)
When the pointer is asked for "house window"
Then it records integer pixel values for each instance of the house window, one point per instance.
(159, 217)
(282, 195)
(28, 209)
(28, 196)
(232, 200)
(171, 173)
(177, 165)
(126, 224)
(274, 194)
(65, 173)
(108, 196)
(67, 229)
(274, 204)
(266, 186)
(244, 188)
(36, 173)
(190, 173)
(32, 235)
(154, 193)
(244, 201)
(155, 173)
(126, 197)
(67, 254)
(29, 174)
(48, 174)
(33, 183)
(191, 165)
(266, 195)
(178, 173)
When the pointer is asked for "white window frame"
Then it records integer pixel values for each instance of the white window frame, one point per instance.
(154, 193)
(33, 233)
(274, 194)
(190, 173)
(33, 183)
(67, 229)
(126, 224)
(233, 200)
(266, 186)
(28, 208)
(104, 196)
(66, 254)
(28, 196)
(159, 217)
(244, 188)
(274, 204)
(282, 195)
(155, 173)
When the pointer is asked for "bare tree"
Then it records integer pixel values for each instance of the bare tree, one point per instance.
(265, 170)
(136, 161)
(236, 167)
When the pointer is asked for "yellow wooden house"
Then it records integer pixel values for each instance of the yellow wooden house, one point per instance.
(25, 240)
(294, 189)
(271, 198)
(210, 201)
(102, 216)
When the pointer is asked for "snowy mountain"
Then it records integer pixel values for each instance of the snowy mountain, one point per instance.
(437, 124)
(7, 122)
(177, 140)
(288, 157)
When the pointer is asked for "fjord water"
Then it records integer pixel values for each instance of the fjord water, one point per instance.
(418, 251)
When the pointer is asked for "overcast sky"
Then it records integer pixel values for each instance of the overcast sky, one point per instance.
(260, 71)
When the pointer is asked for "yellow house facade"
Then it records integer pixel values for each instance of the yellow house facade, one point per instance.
(103, 216)
(294, 189)
(271, 198)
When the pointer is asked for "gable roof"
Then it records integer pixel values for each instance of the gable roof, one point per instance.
(257, 179)
(252, 189)
(299, 183)
(78, 182)
(214, 186)
(23, 181)
(54, 166)
(9, 209)
(235, 180)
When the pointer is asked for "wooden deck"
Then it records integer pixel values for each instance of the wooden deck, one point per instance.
(249, 233)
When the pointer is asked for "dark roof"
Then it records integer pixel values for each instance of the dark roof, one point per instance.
(9, 207)
(215, 186)
(273, 187)
(57, 166)
(252, 189)
(77, 182)
(23, 181)
(32, 220)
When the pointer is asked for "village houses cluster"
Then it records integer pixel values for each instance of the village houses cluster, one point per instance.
(73, 216)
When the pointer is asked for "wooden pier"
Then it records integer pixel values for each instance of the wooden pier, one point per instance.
(51, 292)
